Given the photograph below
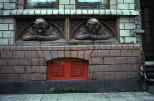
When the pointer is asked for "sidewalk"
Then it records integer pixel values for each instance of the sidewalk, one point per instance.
(122, 96)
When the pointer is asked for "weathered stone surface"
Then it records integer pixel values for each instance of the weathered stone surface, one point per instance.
(109, 96)
(100, 53)
(61, 54)
(3, 62)
(109, 75)
(87, 54)
(114, 68)
(107, 61)
(121, 60)
(67, 53)
(74, 54)
(36, 69)
(9, 76)
(19, 54)
(12, 69)
(96, 60)
(33, 76)
(126, 52)
(115, 52)
(39, 62)
(81, 54)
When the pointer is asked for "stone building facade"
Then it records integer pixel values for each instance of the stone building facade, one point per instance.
(107, 60)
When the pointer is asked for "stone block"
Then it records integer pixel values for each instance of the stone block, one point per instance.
(126, 52)
(36, 54)
(3, 62)
(122, 39)
(134, 60)
(132, 6)
(11, 27)
(96, 60)
(4, 27)
(23, 61)
(9, 76)
(100, 53)
(28, 54)
(130, 26)
(7, 53)
(81, 54)
(38, 76)
(4, 41)
(12, 69)
(136, 52)
(133, 75)
(108, 75)
(120, 75)
(115, 52)
(125, 67)
(36, 69)
(39, 62)
(52, 55)
(98, 68)
(87, 54)
(114, 68)
(109, 60)
(1, 5)
(7, 20)
(121, 60)
(67, 53)
(122, 6)
(19, 54)
(61, 54)
(125, 33)
(9, 5)
(33, 76)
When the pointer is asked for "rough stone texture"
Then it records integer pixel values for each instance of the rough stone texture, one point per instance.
(7, 4)
(7, 30)
(115, 61)
(118, 96)
(127, 29)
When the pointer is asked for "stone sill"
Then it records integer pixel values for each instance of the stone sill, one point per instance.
(68, 12)
(63, 42)
(74, 47)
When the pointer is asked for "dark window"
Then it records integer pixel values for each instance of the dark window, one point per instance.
(41, 3)
(90, 4)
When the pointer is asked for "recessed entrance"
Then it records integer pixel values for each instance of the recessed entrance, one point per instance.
(68, 69)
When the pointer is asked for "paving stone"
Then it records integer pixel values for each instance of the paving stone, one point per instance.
(50, 97)
(120, 96)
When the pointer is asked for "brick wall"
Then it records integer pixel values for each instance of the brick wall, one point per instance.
(105, 61)
(127, 30)
(7, 31)
(7, 4)
(126, 4)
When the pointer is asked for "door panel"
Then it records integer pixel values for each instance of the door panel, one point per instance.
(67, 69)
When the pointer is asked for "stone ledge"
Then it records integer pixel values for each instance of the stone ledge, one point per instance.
(73, 47)
(68, 12)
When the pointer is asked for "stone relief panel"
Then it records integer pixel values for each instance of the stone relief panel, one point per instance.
(40, 29)
(77, 29)
(93, 29)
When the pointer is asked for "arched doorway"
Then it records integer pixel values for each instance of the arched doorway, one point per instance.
(67, 69)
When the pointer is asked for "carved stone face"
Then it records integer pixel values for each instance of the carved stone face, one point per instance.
(93, 25)
(40, 26)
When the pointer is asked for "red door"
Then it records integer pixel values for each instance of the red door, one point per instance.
(67, 69)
